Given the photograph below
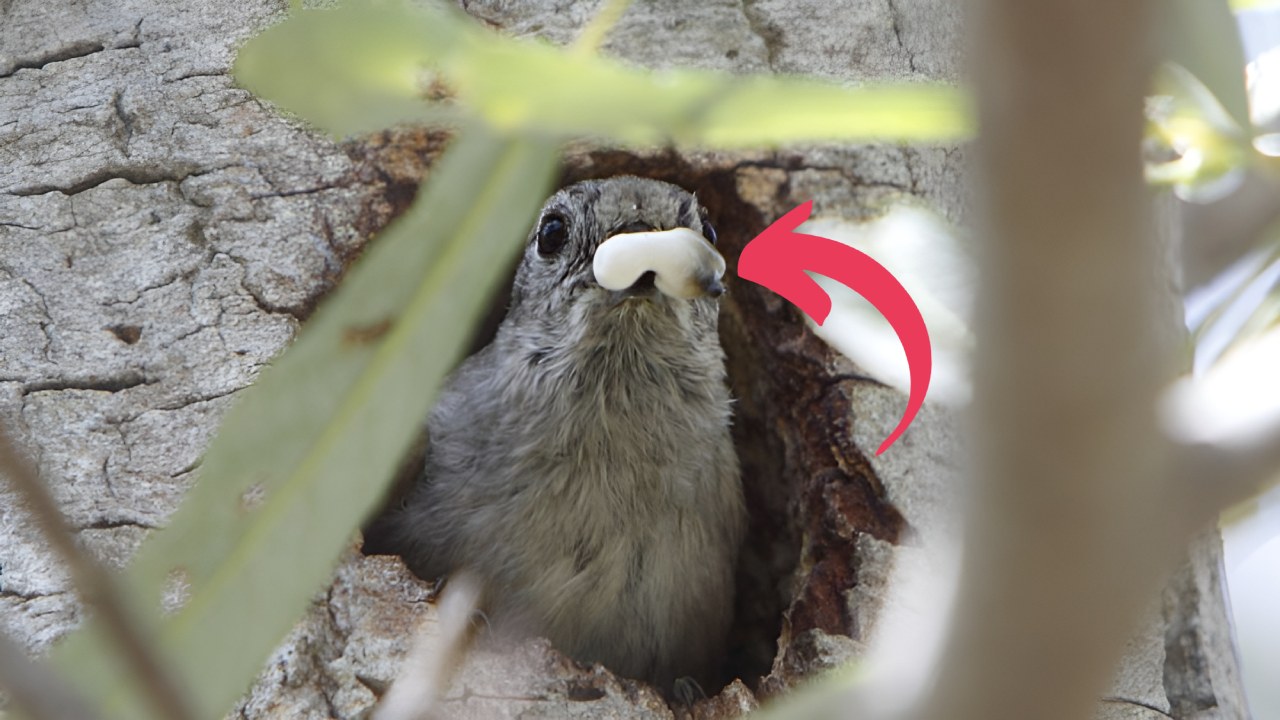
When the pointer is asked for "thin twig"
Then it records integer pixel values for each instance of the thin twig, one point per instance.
(37, 691)
(96, 587)
(435, 656)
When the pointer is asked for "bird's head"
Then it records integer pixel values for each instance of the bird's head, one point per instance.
(620, 255)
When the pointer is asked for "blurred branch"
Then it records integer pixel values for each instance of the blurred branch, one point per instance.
(95, 586)
(1066, 537)
(1068, 532)
(36, 690)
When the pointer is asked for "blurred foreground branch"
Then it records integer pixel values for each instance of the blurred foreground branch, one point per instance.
(1067, 537)
(36, 690)
(1069, 531)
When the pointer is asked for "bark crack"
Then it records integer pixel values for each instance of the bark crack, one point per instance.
(199, 74)
(124, 121)
(106, 472)
(896, 14)
(70, 51)
(292, 193)
(170, 407)
(763, 29)
(196, 400)
(793, 164)
(47, 323)
(114, 523)
(258, 298)
(28, 597)
(911, 161)
(1136, 703)
(136, 175)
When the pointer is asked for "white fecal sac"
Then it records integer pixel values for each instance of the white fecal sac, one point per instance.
(684, 264)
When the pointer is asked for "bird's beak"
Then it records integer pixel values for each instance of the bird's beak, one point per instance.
(683, 263)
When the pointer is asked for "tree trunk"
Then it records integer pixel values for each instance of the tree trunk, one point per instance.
(163, 234)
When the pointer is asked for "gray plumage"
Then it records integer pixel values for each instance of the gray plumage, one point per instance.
(581, 463)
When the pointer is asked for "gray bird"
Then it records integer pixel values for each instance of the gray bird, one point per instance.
(580, 465)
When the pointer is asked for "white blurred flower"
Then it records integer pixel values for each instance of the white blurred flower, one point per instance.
(1233, 401)
(922, 252)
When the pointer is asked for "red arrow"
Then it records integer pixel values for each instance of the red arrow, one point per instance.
(777, 259)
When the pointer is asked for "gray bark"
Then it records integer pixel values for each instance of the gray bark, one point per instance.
(163, 234)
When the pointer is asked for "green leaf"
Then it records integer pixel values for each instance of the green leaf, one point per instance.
(1205, 154)
(366, 65)
(519, 86)
(1201, 36)
(309, 449)
(352, 69)
(773, 111)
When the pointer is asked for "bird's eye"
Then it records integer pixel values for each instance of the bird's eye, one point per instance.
(708, 231)
(551, 234)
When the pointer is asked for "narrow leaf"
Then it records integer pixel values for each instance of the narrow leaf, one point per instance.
(307, 453)
(774, 111)
(1201, 36)
(356, 68)
(366, 65)
(527, 86)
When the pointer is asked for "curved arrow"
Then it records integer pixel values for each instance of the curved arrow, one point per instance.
(778, 258)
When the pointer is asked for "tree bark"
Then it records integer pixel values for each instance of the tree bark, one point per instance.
(163, 234)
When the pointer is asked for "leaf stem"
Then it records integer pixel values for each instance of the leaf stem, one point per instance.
(593, 35)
